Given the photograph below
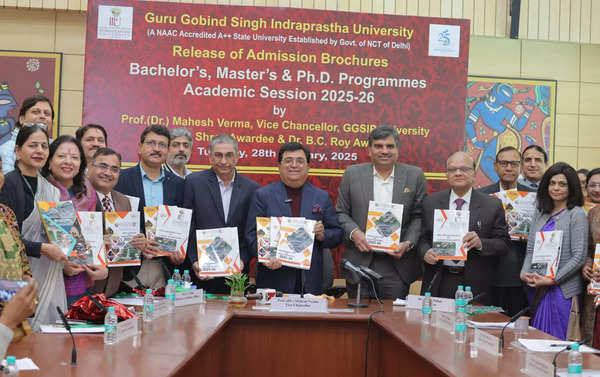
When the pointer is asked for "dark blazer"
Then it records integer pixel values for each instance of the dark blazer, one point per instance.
(488, 221)
(14, 196)
(270, 201)
(130, 183)
(203, 196)
(508, 267)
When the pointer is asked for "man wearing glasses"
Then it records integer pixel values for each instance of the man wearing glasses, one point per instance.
(487, 237)
(293, 196)
(383, 180)
(154, 186)
(220, 198)
(507, 287)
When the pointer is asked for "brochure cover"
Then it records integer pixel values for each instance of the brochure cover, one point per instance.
(384, 225)
(296, 242)
(121, 227)
(546, 253)
(172, 229)
(449, 228)
(519, 207)
(60, 224)
(218, 251)
(263, 236)
(94, 252)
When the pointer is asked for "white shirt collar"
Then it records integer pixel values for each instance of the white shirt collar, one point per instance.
(223, 183)
(376, 173)
(466, 197)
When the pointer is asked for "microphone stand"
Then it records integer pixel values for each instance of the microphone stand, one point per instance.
(68, 327)
(567, 348)
(358, 304)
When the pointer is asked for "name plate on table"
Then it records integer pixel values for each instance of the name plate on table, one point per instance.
(439, 304)
(299, 305)
(445, 321)
(127, 328)
(487, 342)
(193, 297)
(537, 366)
(161, 308)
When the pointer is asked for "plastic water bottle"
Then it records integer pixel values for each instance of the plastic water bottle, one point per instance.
(575, 367)
(187, 279)
(468, 297)
(459, 298)
(11, 366)
(426, 309)
(460, 326)
(148, 306)
(176, 277)
(170, 295)
(110, 326)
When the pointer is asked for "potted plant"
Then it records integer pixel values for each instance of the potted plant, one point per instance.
(237, 283)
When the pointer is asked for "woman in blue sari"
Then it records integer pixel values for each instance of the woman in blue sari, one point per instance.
(554, 302)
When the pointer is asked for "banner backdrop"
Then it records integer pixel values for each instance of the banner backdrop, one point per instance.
(272, 75)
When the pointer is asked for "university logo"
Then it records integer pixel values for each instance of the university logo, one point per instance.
(444, 40)
(115, 22)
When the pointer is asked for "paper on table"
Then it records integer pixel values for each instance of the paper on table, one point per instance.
(549, 345)
(23, 364)
(584, 373)
(130, 301)
(52, 329)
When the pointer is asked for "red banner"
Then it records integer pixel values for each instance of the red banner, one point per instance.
(272, 75)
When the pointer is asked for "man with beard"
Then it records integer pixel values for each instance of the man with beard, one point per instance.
(180, 150)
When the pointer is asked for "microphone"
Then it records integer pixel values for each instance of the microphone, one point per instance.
(435, 276)
(371, 273)
(480, 295)
(356, 274)
(567, 348)
(511, 320)
(68, 327)
(347, 265)
(97, 303)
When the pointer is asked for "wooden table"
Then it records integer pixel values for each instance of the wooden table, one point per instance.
(216, 340)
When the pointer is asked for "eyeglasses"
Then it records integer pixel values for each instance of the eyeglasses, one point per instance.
(32, 124)
(504, 163)
(296, 161)
(104, 167)
(462, 169)
(154, 144)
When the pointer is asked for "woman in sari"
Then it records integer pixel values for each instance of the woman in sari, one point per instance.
(23, 188)
(65, 169)
(14, 266)
(591, 323)
(553, 301)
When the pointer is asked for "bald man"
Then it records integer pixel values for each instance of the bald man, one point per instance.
(487, 237)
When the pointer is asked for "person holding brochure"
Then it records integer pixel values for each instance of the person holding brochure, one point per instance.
(23, 188)
(553, 303)
(65, 170)
(223, 193)
(535, 162)
(507, 288)
(103, 174)
(293, 196)
(485, 240)
(153, 185)
(384, 180)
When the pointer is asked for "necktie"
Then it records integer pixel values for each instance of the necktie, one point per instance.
(106, 204)
(459, 203)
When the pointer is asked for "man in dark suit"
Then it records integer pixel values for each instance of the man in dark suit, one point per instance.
(103, 174)
(507, 288)
(154, 186)
(219, 198)
(384, 179)
(487, 237)
(293, 196)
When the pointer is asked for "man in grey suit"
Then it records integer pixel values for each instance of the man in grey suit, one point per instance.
(507, 289)
(382, 180)
(487, 237)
